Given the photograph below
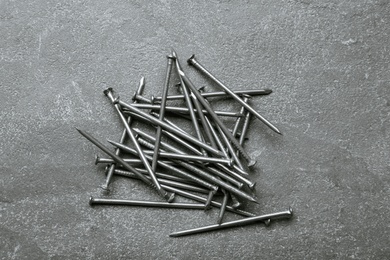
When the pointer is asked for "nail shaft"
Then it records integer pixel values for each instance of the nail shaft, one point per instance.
(196, 64)
(213, 203)
(162, 114)
(186, 110)
(168, 155)
(241, 222)
(170, 128)
(139, 91)
(166, 182)
(168, 196)
(252, 92)
(179, 172)
(213, 115)
(131, 161)
(156, 204)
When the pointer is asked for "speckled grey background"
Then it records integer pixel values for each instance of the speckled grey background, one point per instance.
(327, 62)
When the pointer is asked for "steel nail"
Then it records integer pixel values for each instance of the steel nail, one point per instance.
(213, 202)
(192, 61)
(100, 160)
(168, 146)
(190, 107)
(212, 114)
(185, 110)
(159, 175)
(170, 128)
(252, 92)
(167, 182)
(158, 204)
(164, 154)
(241, 222)
(139, 91)
(178, 171)
(168, 196)
(162, 114)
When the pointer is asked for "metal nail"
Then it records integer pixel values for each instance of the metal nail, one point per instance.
(213, 203)
(160, 175)
(168, 155)
(139, 91)
(252, 92)
(185, 110)
(162, 114)
(190, 108)
(241, 222)
(132, 161)
(168, 196)
(158, 204)
(213, 115)
(178, 171)
(168, 146)
(192, 61)
(170, 128)
(166, 182)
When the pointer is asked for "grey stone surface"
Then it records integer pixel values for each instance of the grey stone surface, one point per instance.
(326, 61)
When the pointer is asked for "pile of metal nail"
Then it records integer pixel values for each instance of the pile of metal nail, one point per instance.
(200, 166)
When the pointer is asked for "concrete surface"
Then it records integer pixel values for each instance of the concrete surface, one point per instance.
(327, 62)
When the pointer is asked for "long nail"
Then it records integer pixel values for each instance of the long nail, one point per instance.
(162, 114)
(204, 200)
(190, 106)
(168, 146)
(159, 175)
(203, 174)
(214, 116)
(157, 204)
(241, 222)
(168, 155)
(196, 64)
(170, 128)
(178, 171)
(168, 196)
(186, 110)
(213, 170)
(166, 182)
(252, 92)
(131, 161)
(139, 91)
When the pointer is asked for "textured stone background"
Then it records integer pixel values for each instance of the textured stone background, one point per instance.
(327, 63)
